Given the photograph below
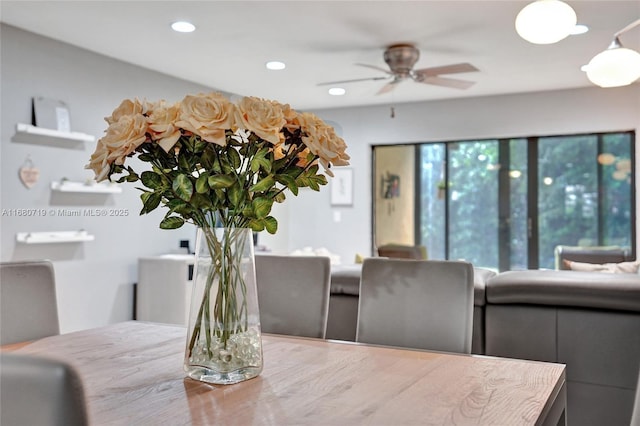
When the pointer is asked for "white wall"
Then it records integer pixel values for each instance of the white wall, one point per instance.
(95, 278)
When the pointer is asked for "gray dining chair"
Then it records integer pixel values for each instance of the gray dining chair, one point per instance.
(293, 294)
(38, 391)
(421, 304)
(28, 308)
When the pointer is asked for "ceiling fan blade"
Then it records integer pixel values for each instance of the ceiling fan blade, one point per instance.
(446, 82)
(375, 68)
(388, 87)
(446, 69)
(328, 83)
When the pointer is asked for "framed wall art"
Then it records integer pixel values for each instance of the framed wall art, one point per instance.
(342, 187)
(51, 114)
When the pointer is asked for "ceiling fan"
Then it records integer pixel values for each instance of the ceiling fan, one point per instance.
(401, 58)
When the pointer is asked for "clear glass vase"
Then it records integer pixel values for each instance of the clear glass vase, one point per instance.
(224, 343)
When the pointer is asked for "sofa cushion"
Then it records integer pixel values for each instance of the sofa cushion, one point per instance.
(630, 267)
(345, 279)
(480, 278)
(566, 288)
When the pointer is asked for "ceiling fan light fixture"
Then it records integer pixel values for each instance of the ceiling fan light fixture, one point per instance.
(546, 21)
(617, 66)
(337, 91)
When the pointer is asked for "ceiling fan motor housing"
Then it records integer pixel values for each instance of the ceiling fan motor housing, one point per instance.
(401, 58)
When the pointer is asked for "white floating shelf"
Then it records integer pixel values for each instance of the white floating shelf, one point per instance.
(32, 134)
(53, 237)
(92, 187)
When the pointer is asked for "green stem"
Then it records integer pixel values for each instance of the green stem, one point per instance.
(230, 314)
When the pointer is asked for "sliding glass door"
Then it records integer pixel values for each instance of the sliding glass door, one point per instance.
(473, 200)
(584, 192)
(506, 204)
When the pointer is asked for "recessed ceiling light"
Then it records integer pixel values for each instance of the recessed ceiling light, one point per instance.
(579, 29)
(183, 27)
(275, 65)
(337, 91)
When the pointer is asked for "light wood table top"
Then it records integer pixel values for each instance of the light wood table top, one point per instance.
(132, 374)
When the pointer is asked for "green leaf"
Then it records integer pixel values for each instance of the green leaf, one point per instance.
(236, 195)
(208, 157)
(202, 184)
(201, 202)
(263, 184)
(178, 206)
(183, 187)
(219, 193)
(270, 224)
(221, 181)
(314, 185)
(312, 170)
(248, 212)
(279, 197)
(289, 182)
(185, 144)
(151, 180)
(200, 145)
(262, 207)
(226, 166)
(312, 181)
(171, 222)
(183, 160)
(256, 225)
(261, 160)
(147, 157)
(234, 158)
(150, 201)
(322, 179)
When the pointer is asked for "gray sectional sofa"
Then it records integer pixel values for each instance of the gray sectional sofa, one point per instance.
(589, 321)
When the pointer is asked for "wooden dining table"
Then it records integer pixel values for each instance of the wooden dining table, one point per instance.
(132, 375)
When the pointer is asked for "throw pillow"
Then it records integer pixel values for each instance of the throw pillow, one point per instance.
(611, 268)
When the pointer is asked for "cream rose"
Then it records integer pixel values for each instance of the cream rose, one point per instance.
(123, 137)
(127, 107)
(322, 141)
(262, 117)
(98, 162)
(161, 119)
(208, 116)
(291, 117)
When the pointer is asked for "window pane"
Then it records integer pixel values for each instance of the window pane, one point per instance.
(432, 207)
(518, 224)
(567, 194)
(473, 202)
(615, 161)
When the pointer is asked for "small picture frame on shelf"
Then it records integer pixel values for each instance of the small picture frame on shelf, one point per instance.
(51, 114)
(342, 187)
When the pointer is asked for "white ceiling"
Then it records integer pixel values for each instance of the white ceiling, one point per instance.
(321, 41)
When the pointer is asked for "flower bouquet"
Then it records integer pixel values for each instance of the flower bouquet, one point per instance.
(220, 166)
